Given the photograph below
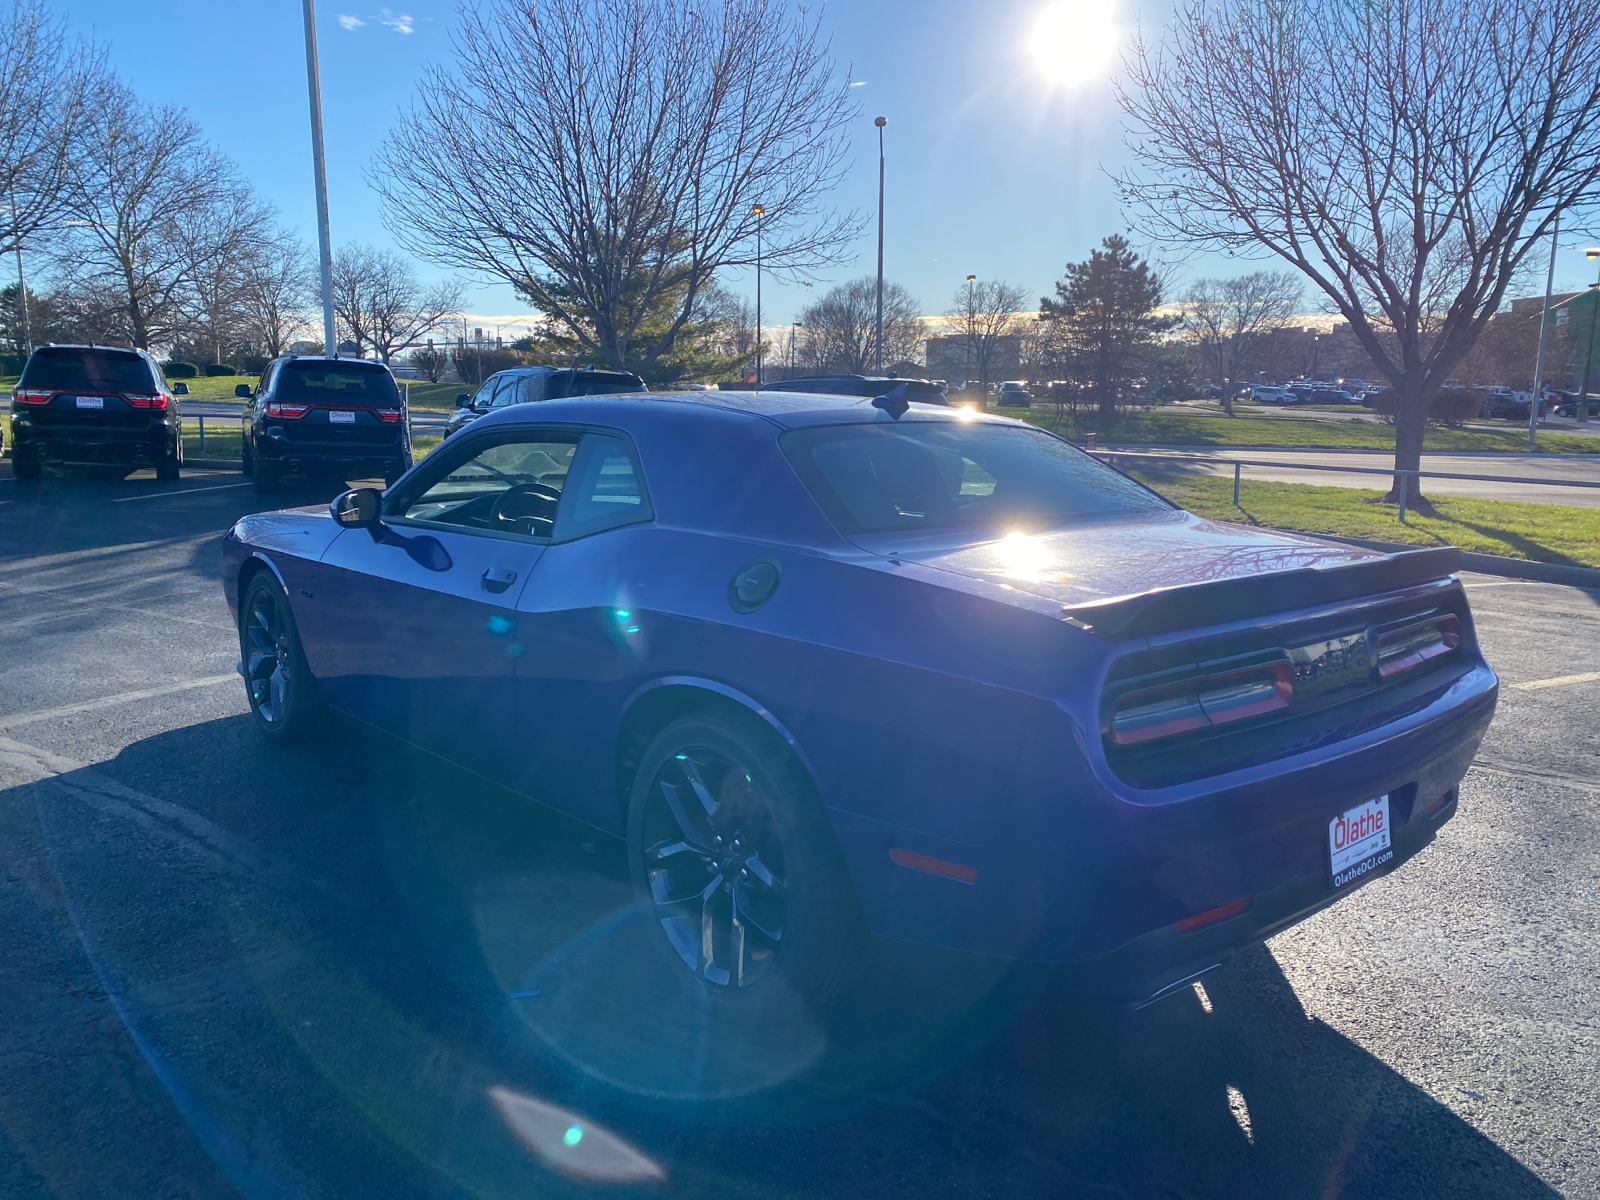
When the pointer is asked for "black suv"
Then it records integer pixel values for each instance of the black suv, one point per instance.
(919, 390)
(95, 405)
(339, 417)
(526, 385)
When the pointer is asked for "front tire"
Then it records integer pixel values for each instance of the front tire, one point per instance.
(282, 692)
(736, 863)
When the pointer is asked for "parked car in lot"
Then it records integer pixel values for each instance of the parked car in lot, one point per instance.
(332, 417)
(95, 405)
(1569, 404)
(923, 391)
(1015, 394)
(734, 629)
(1501, 402)
(1329, 396)
(527, 385)
(1271, 395)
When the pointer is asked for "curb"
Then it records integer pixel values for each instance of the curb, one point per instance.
(1490, 564)
(213, 462)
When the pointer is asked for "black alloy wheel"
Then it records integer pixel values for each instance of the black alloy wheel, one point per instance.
(283, 695)
(736, 863)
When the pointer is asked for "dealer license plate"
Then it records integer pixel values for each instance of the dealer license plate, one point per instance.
(1358, 841)
(91, 401)
(342, 418)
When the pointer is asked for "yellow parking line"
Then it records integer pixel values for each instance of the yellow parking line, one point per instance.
(1534, 685)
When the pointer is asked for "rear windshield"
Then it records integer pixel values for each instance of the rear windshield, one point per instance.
(65, 369)
(591, 383)
(935, 475)
(336, 383)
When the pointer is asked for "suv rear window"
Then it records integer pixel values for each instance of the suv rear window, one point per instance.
(935, 475)
(336, 383)
(67, 368)
(591, 383)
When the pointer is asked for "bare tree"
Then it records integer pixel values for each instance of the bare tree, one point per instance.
(839, 327)
(430, 362)
(142, 174)
(1404, 155)
(276, 296)
(45, 80)
(379, 303)
(222, 240)
(1227, 320)
(983, 312)
(602, 155)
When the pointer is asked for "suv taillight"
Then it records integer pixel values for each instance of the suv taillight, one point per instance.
(157, 401)
(289, 412)
(1401, 647)
(389, 416)
(19, 396)
(1201, 702)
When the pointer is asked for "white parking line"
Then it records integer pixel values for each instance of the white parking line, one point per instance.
(1534, 685)
(220, 487)
(68, 710)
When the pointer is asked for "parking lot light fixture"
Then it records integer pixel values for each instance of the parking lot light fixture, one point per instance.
(880, 122)
(330, 344)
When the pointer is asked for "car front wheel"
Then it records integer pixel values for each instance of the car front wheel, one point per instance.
(735, 861)
(283, 695)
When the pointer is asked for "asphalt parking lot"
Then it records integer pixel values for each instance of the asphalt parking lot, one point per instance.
(348, 970)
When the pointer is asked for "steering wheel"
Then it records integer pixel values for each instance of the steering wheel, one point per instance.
(526, 508)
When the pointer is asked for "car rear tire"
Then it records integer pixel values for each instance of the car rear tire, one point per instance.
(736, 864)
(279, 685)
(168, 470)
(265, 479)
(25, 462)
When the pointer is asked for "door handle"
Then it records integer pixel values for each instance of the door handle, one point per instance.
(498, 579)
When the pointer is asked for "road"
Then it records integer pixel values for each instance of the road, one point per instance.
(1199, 460)
(235, 970)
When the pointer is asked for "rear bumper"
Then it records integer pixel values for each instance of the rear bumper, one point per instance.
(87, 444)
(308, 456)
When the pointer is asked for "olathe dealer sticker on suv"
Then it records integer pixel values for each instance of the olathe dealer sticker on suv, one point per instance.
(1358, 841)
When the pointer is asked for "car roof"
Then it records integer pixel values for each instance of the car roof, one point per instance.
(790, 410)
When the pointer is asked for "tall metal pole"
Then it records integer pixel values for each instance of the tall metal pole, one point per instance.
(1594, 312)
(22, 283)
(1544, 319)
(319, 169)
(972, 322)
(759, 212)
(880, 122)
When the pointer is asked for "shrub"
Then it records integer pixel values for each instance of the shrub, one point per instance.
(1454, 407)
(220, 369)
(180, 370)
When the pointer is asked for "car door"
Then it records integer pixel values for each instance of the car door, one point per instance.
(581, 635)
(421, 612)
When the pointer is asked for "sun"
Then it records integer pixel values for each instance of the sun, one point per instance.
(1073, 40)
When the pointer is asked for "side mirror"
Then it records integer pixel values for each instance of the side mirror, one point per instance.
(180, 389)
(463, 400)
(357, 509)
(242, 390)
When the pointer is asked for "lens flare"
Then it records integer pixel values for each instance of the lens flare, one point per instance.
(1073, 41)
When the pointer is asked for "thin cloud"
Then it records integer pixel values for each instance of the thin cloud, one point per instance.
(350, 21)
(399, 22)
(859, 83)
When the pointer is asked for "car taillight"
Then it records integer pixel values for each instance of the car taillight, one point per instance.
(1403, 647)
(388, 416)
(157, 402)
(289, 412)
(19, 396)
(1201, 702)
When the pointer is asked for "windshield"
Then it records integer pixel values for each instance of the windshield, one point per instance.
(68, 368)
(935, 475)
(337, 383)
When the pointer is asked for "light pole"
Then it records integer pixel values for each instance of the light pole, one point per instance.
(1544, 320)
(22, 283)
(972, 321)
(759, 213)
(880, 122)
(1594, 310)
(330, 347)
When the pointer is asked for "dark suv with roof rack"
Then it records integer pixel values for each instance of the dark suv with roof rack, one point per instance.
(95, 405)
(340, 417)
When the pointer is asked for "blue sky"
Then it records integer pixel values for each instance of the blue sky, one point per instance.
(992, 170)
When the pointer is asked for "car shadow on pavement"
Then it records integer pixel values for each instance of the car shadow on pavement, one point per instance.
(317, 968)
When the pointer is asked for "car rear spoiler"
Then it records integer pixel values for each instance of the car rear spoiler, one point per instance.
(1215, 602)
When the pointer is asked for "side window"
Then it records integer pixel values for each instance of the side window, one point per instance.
(604, 490)
(511, 486)
(506, 394)
(264, 384)
(531, 389)
(486, 392)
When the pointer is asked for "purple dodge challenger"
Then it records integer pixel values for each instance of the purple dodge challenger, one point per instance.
(835, 666)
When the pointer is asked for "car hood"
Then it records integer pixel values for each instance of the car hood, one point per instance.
(1111, 558)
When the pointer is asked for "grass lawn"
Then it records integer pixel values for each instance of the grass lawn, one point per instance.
(437, 397)
(1549, 533)
(222, 441)
(1175, 428)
